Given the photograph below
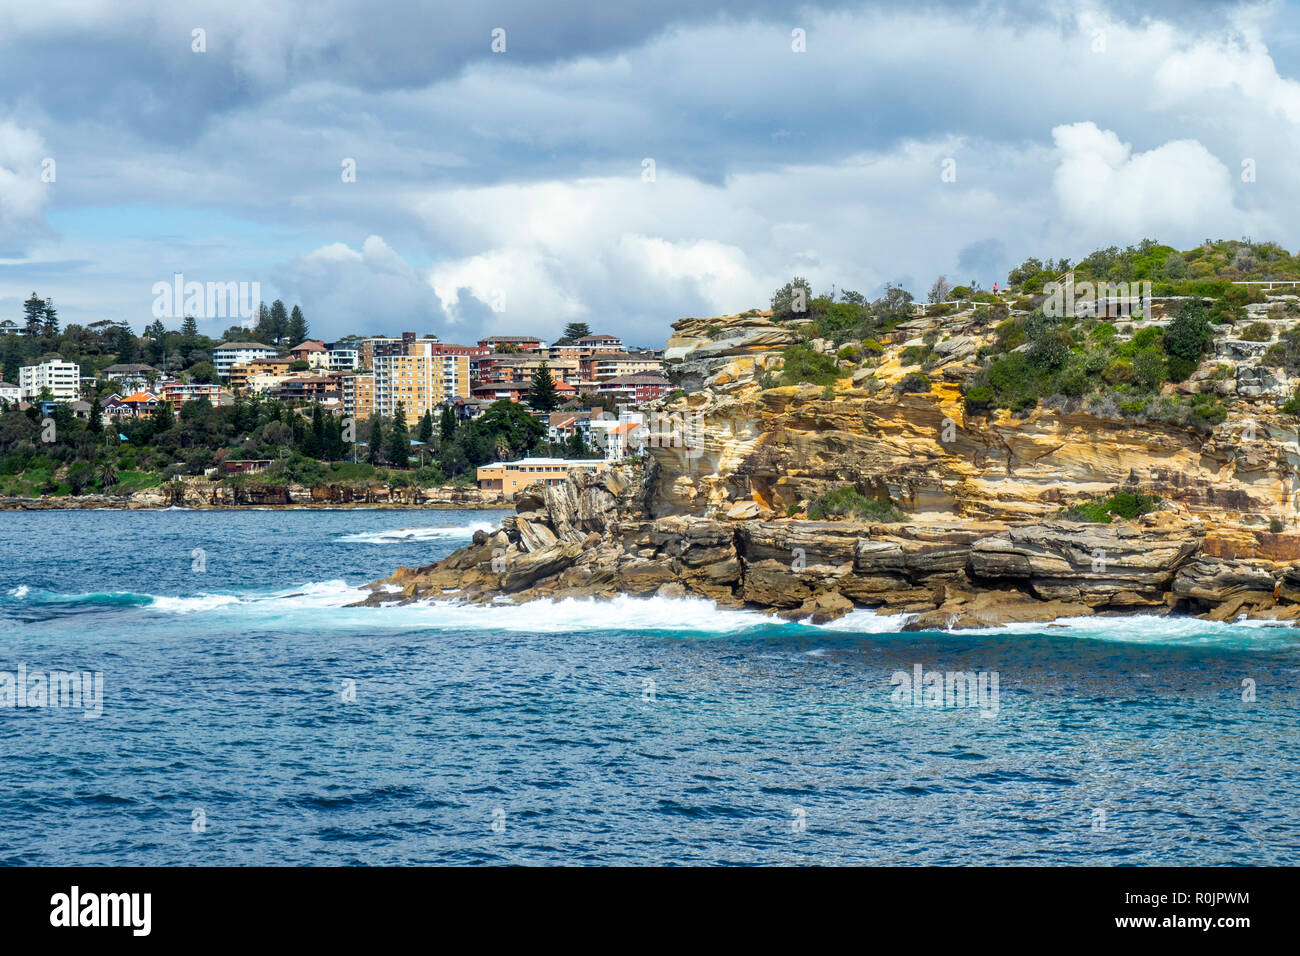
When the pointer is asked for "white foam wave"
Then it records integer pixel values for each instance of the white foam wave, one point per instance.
(20, 592)
(406, 535)
(191, 605)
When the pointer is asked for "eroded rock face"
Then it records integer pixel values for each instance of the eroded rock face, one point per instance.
(966, 575)
(723, 516)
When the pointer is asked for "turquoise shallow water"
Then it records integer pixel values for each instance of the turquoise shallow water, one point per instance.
(632, 732)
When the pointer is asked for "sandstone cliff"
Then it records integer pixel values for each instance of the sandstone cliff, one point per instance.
(723, 515)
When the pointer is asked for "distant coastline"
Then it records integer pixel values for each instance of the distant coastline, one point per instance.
(214, 497)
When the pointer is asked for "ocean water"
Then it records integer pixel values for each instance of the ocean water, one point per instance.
(250, 717)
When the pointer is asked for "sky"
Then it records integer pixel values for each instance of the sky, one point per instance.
(497, 168)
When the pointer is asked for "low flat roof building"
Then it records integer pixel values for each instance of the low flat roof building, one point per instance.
(508, 477)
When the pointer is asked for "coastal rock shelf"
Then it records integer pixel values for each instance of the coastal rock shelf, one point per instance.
(583, 539)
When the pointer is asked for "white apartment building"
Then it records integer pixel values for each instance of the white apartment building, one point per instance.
(63, 379)
(229, 354)
(344, 360)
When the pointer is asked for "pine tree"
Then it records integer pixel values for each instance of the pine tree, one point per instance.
(399, 441)
(125, 344)
(576, 447)
(51, 327)
(543, 396)
(34, 315)
(279, 322)
(375, 449)
(297, 327)
(189, 329)
(575, 330)
(265, 328)
(425, 434)
(95, 424)
(447, 424)
(162, 417)
(315, 439)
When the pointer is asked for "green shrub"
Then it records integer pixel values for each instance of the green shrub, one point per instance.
(914, 382)
(848, 502)
(850, 353)
(1124, 504)
(979, 399)
(1257, 332)
(914, 355)
(803, 364)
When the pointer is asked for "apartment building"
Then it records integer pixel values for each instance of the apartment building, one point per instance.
(259, 375)
(519, 369)
(419, 374)
(585, 347)
(63, 379)
(358, 391)
(229, 354)
(373, 343)
(344, 360)
(179, 393)
(635, 389)
(605, 365)
(308, 389)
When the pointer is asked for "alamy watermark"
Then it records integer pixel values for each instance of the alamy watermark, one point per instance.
(77, 690)
(1113, 300)
(948, 689)
(205, 300)
(681, 429)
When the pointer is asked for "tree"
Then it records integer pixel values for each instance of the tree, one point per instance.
(162, 417)
(1188, 335)
(575, 447)
(940, 291)
(279, 321)
(51, 326)
(895, 304)
(574, 331)
(399, 441)
(297, 326)
(447, 424)
(203, 373)
(189, 329)
(542, 396)
(425, 433)
(505, 429)
(791, 300)
(125, 344)
(95, 424)
(34, 315)
(375, 449)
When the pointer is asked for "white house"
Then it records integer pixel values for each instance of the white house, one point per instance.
(63, 379)
(10, 393)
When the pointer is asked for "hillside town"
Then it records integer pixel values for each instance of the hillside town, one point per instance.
(584, 389)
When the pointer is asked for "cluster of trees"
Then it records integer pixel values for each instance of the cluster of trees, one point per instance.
(182, 352)
(1038, 357)
(846, 316)
(76, 455)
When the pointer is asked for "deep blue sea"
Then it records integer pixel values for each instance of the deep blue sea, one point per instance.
(249, 717)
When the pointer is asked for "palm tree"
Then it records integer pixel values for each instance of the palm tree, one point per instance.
(107, 475)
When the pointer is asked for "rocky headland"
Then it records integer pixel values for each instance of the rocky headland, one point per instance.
(978, 531)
